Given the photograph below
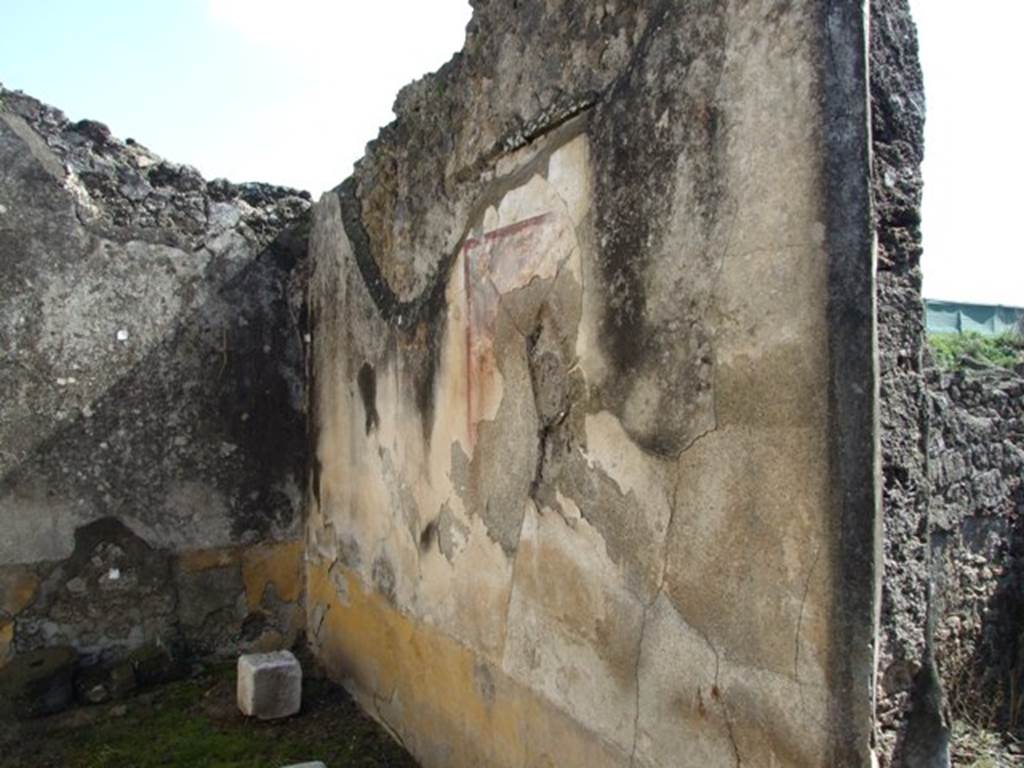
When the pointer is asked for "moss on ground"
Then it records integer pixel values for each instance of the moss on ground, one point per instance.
(950, 349)
(195, 723)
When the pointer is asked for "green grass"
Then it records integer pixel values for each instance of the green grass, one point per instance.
(949, 349)
(172, 736)
(194, 724)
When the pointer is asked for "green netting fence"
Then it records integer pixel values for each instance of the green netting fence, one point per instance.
(986, 319)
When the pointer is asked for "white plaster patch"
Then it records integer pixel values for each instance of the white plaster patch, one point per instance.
(569, 175)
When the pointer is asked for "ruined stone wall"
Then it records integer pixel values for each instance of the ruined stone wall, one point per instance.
(151, 396)
(593, 394)
(897, 98)
(977, 511)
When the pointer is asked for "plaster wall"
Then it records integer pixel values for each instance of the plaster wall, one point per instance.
(151, 393)
(573, 496)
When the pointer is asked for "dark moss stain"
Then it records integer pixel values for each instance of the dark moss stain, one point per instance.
(404, 314)
(254, 625)
(484, 680)
(313, 417)
(420, 321)
(261, 411)
(348, 551)
(217, 402)
(422, 351)
(853, 410)
(643, 132)
(623, 209)
(366, 379)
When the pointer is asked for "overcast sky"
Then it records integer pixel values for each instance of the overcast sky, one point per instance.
(291, 92)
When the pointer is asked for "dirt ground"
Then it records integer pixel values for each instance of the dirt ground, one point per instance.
(975, 747)
(196, 723)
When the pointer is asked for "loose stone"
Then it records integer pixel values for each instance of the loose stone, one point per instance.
(269, 685)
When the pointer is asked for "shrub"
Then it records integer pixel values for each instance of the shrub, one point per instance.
(949, 349)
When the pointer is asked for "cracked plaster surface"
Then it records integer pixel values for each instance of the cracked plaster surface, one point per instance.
(661, 579)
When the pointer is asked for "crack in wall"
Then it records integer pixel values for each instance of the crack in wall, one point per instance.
(636, 675)
(512, 579)
(717, 695)
(392, 731)
(800, 617)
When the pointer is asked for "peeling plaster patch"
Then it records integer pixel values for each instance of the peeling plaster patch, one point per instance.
(624, 523)
(573, 631)
(609, 447)
(496, 263)
(337, 576)
(583, 494)
(466, 596)
(384, 577)
(451, 533)
(569, 174)
(459, 470)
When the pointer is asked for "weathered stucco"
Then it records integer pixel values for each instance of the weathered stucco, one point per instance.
(593, 460)
(152, 390)
(579, 398)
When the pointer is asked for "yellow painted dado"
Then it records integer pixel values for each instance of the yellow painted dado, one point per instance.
(272, 579)
(278, 565)
(449, 708)
(18, 588)
(6, 640)
(199, 560)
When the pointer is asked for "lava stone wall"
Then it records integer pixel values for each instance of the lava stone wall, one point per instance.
(897, 102)
(977, 512)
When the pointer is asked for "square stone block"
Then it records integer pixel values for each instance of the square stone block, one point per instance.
(269, 685)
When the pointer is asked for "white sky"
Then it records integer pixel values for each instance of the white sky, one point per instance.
(291, 92)
(350, 60)
(971, 55)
